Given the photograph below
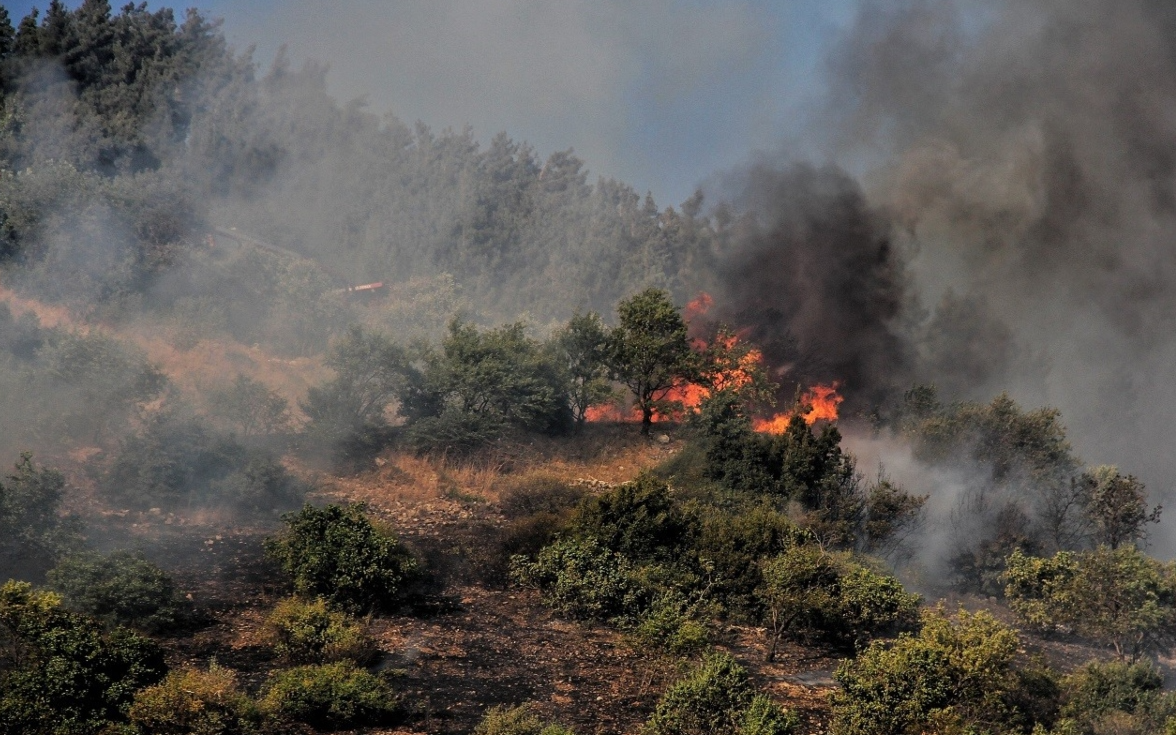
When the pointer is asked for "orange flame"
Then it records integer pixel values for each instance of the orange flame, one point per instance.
(823, 402)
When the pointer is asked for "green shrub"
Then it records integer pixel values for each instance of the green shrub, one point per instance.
(310, 632)
(734, 543)
(194, 702)
(120, 589)
(1119, 597)
(717, 698)
(329, 696)
(673, 624)
(516, 721)
(535, 493)
(177, 460)
(582, 579)
(1101, 692)
(338, 554)
(453, 432)
(32, 532)
(638, 520)
(808, 591)
(954, 675)
(60, 673)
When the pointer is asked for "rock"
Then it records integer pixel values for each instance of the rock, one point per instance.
(663, 439)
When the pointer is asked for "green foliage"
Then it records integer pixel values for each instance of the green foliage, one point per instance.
(329, 696)
(348, 411)
(649, 351)
(1115, 506)
(338, 554)
(177, 460)
(516, 721)
(250, 408)
(1099, 689)
(582, 349)
(671, 623)
(486, 379)
(954, 675)
(638, 520)
(59, 672)
(809, 469)
(1119, 597)
(32, 532)
(581, 578)
(122, 588)
(195, 702)
(304, 631)
(733, 543)
(537, 493)
(716, 698)
(808, 591)
(92, 383)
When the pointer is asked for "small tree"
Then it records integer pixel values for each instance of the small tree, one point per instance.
(32, 534)
(954, 675)
(251, 408)
(649, 350)
(583, 349)
(369, 370)
(338, 554)
(1116, 507)
(1118, 597)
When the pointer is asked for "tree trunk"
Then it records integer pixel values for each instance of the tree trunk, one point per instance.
(646, 419)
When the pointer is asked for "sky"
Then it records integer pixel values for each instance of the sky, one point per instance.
(660, 94)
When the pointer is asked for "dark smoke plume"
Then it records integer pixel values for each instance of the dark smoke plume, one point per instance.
(1026, 151)
(814, 281)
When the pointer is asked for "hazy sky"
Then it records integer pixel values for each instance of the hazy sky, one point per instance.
(658, 93)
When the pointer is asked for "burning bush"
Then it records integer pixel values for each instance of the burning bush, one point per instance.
(338, 554)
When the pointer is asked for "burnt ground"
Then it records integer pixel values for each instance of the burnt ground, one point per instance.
(462, 645)
(468, 641)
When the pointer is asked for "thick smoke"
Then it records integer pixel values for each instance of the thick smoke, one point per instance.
(1032, 168)
(813, 279)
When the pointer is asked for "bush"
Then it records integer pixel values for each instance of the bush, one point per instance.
(1119, 597)
(516, 721)
(177, 460)
(734, 543)
(808, 591)
(338, 554)
(32, 532)
(194, 702)
(1098, 693)
(638, 520)
(60, 673)
(329, 696)
(715, 699)
(952, 676)
(120, 589)
(672, 623)
(536, 493)
(310, 632)
(582, 579)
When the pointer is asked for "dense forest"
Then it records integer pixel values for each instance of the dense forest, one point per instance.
(516, 484)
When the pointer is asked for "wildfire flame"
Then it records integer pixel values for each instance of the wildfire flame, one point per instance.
(822, 400)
